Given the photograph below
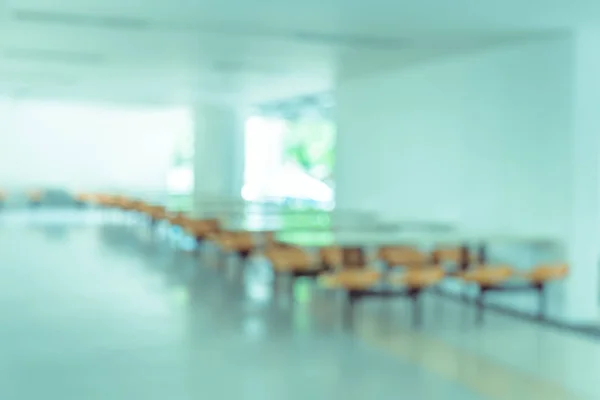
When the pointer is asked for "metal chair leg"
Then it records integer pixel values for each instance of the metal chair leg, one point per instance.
(275, 284)
(243, 256)
(439, 305)
(349, 309)
(417, 313)
(199, 244)
(542, 300)
(480, 305)
(222, 260)
(292, 285)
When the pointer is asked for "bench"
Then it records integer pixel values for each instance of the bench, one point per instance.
(360, 280)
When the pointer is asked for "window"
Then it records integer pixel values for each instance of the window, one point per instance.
(290, 158)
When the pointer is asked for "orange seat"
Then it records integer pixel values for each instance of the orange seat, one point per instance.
(235, 241)
(496, 275)
(108, 200)
(488, 275)
(290, 259)
(331, 256)
(202, 228)
(352, 279)
(177, 219)
(419, 278)
(98, 198)
(157, 212)
(136, 205)
(35, 195)
(269, 238)
(402, 256)
(546, 272)
(82, 197)
(128, 204)
(454, 255)
(123, 203)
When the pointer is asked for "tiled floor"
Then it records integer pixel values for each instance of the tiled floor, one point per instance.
(90, 310)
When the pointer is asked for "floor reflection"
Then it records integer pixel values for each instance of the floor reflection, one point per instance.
(129, 313)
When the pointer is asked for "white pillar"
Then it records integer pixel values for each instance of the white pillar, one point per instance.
(583, 235)
(219, 152)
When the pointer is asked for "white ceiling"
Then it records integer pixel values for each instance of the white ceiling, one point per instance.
(251, 51)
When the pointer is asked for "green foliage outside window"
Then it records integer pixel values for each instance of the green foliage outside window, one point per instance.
(310, 143)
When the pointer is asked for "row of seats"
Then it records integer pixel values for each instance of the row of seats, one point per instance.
(199, 229)
(396, 270)
(414, 271)
(34, 196)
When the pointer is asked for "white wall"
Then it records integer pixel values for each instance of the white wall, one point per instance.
(475, 139)
(219, 151)
(86, 147)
